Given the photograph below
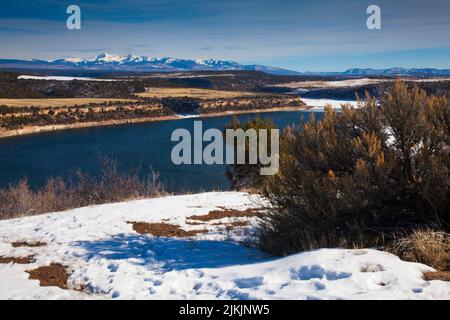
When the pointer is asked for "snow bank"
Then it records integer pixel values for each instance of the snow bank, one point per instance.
(349, 83)
(112, 261)
(319, 104)
(61, 78)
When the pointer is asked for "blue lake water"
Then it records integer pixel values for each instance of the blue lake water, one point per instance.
(147, 145)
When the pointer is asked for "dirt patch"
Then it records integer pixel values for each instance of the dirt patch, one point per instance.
(194, 223)
(164, 230)
(18, 260)
(54, 275)
(227, 213)
(228, 226)
(28, 244)
(237, 224)
(440, 275)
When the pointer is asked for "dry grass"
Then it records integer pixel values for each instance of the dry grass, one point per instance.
(237, 225)
(57, 195)
(17, 260)
(425, 246)
(164, 230)
(227, 213)
(54, 275)
(440, 275)
(19, 244)
(194, 93)
(44, 103)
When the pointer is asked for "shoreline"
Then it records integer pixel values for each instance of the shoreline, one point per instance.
(59, 127)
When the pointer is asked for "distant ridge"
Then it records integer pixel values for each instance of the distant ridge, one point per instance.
(110, 62)
(387, 72)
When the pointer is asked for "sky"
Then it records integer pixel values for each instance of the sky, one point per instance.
(302, 35)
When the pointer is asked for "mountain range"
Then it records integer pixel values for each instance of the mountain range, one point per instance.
(132, 63)
(108, 62)
(386, 72)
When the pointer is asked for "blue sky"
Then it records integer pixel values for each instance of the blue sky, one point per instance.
(304, 35)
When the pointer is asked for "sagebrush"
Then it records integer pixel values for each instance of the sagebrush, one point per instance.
(359, 176)
(111, 185)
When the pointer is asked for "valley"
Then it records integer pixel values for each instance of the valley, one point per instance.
(41, 102)
(29, 105)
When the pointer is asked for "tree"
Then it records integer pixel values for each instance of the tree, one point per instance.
(247, 175)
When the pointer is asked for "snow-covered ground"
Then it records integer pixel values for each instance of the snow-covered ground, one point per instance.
(319, 104)
(348, 83)
(330, 84)
(61, 78)
(110, 260)
(188, 116)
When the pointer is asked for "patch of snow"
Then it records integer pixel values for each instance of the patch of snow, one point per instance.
(319, 104)
(133, 59)
(390, 136)
(61, 78)
(430, 80)
(106, 57)
(113, 261)
(200, 61)
(349, 83)
(330, 84)
(73, 60)
(188, 116)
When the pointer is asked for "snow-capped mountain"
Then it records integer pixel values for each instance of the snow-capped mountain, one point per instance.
(109, 62)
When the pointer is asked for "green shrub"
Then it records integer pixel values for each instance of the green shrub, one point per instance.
(247, 176)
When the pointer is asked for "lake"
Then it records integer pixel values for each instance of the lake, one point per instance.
(147, 145)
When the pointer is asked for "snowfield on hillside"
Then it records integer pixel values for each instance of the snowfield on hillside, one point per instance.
(108, 254)
(319, 104)
(61, 78)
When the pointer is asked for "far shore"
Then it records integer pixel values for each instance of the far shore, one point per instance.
(39, 129)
